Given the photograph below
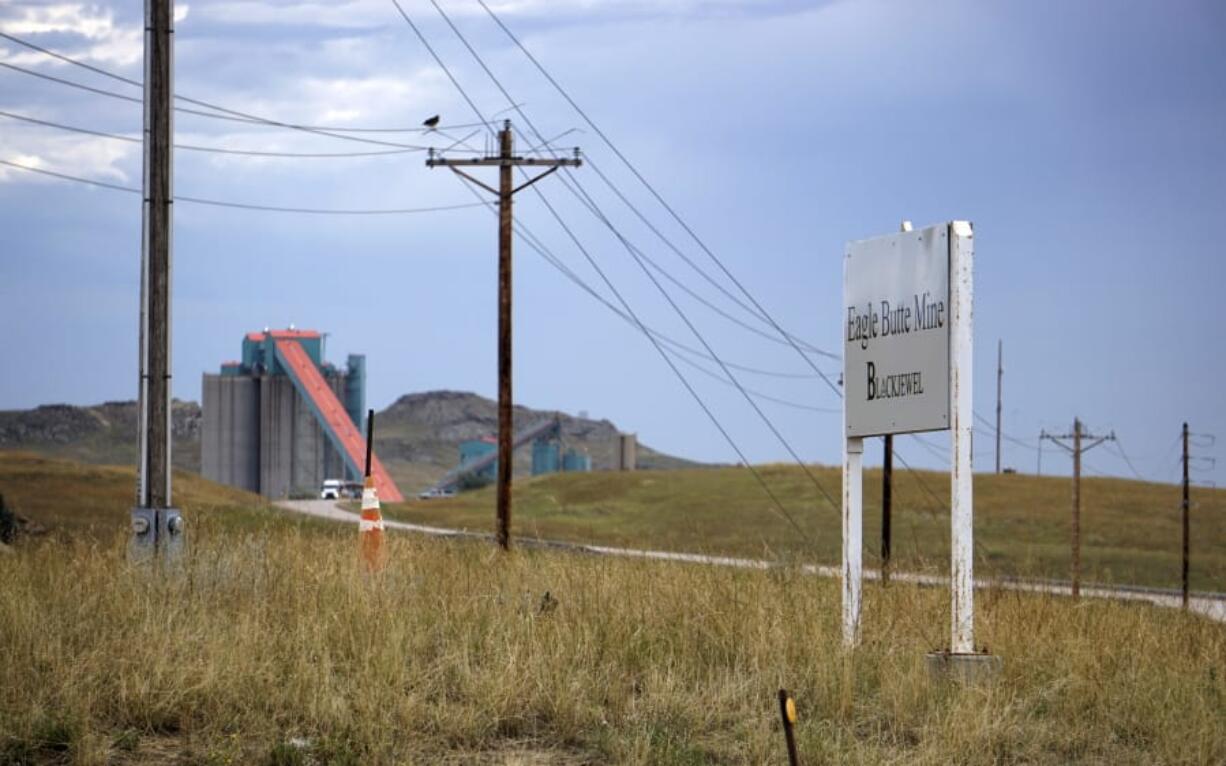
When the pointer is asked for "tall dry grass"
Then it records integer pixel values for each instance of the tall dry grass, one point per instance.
(275, 648)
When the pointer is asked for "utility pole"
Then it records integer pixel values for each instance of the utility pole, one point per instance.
(1184, 576)
(156, 526)
(505, 161)
(1079, 446)
(1000, 372)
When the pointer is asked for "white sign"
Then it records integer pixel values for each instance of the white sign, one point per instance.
(896, 323)
(907, 366)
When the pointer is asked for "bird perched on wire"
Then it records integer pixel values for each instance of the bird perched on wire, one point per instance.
(431, 123)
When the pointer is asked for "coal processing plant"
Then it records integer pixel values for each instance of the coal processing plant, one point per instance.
(479, 457)
(281, 420)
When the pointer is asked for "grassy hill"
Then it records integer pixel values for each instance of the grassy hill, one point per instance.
(104, 434)
(1130, 530)
(94, 502)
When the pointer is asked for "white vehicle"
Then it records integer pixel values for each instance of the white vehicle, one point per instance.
(331, 489)
(430, 494)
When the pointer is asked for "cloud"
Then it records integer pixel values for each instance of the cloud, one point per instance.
(8, 174)
(107, 43)
(92, 22)
(369, 13)
(90, 157)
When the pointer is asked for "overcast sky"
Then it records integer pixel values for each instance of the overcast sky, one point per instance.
(1083, 139)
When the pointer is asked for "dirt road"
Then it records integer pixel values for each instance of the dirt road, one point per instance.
(1212, 606)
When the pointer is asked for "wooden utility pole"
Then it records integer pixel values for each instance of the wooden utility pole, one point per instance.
(1000, 372)
(156, 525)
(1042, 436)
(1184, 571)
(505, 161)
(1076, 507)
(1079, 446)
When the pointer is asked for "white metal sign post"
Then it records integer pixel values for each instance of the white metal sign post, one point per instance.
(907, 368)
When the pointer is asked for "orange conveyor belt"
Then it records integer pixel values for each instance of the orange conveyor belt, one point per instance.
(334, 419)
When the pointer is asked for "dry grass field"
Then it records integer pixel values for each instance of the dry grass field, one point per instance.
(267, 645)
(273, 648)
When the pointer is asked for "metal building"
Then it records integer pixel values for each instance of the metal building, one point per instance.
(475, 449)
(546, 456)
(576, 461)
(281, 420)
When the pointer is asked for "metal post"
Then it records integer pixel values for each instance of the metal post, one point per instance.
(505, 196)
(370, 438)
(961, 335)
(1184, 575)
(787, 711)
(853, 526)
(1076, 507)
(156, 525)
(1000, 372)
(887, 501)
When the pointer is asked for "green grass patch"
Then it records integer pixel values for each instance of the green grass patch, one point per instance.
(1130, 530)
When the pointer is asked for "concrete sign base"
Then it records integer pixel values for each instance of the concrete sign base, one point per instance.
(963, 668)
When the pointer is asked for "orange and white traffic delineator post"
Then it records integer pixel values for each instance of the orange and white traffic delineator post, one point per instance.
(370, 529)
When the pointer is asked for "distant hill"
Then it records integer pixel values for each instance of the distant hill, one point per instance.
(102, 433)
(417, 437)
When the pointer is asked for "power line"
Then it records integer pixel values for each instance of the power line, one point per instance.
(244, 205)
(680, 348)
(1013, 439)
(941, 504)
(808, 346)
(930, 449)
(263, 121)
(534, 243)
(444, 67)
(584, 198)
(625, 306)
(608, 142)
(257, 120)
(225, 112)
(638, 259)
(538, 246)
(1119, 446)
(69, 60)
(657, 195)
(209, 149)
